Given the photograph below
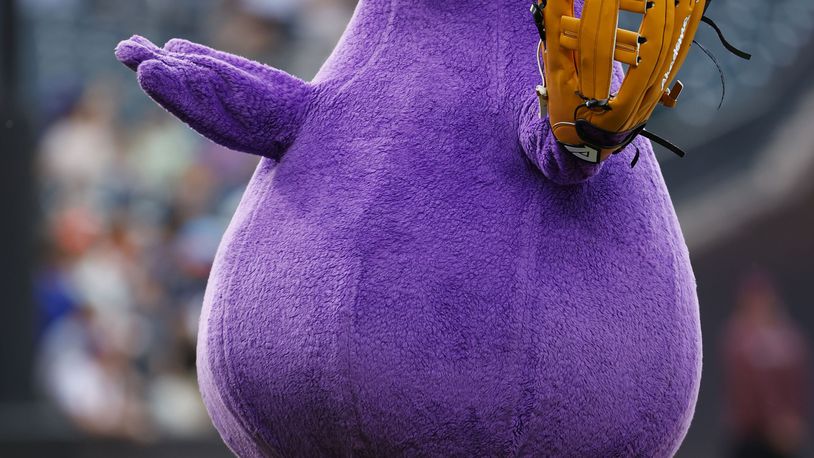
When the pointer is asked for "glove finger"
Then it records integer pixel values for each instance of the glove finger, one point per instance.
(560, 72)
(597, 45)
(688, 18)
(657, 30)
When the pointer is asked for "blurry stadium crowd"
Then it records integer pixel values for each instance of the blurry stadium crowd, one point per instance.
(134, 205)
(133, 218)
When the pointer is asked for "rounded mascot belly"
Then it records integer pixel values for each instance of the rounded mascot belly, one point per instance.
(503, 319)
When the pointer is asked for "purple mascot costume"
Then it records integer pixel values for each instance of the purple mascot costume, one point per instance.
(417, 268)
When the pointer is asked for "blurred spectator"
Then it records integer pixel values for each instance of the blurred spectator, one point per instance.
(78, 149)
(766, 382)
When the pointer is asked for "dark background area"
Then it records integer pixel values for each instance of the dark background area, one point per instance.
(781, 243)
(16, 183)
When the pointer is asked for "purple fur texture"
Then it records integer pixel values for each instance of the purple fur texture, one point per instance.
(416, 269)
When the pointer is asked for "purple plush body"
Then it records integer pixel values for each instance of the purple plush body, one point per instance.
(416, 268)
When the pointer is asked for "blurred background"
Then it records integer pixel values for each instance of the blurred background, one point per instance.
(112, 211)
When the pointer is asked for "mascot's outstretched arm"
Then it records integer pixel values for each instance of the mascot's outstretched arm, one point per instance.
(238, 103)
(253, 108)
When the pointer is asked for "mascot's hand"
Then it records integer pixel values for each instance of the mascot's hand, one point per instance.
(233, 101)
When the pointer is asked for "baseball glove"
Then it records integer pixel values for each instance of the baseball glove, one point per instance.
(586, 117)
